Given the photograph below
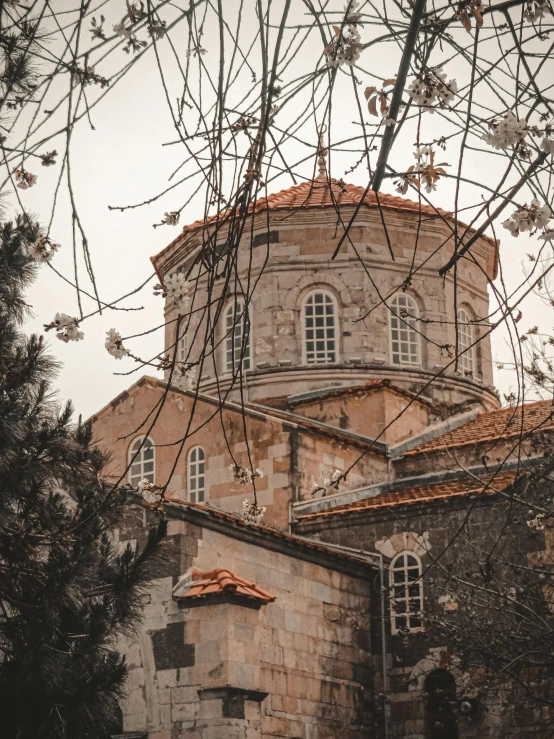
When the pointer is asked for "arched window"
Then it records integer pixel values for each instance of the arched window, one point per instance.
(406, 593)
(183, 347)
(237, 337)
(405, 339)
(196, 485)
(466, 339)
(320, 328)
(142, 461)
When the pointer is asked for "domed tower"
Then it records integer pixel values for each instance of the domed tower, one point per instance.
(378, 309)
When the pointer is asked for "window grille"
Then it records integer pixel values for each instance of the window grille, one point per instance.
(320, 328)
(143, 465)
(405, 339)
(406, 593)
(196, 480)
(237, 337)
(466, 338)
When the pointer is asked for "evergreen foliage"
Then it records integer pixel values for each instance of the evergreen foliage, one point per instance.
(67, 594)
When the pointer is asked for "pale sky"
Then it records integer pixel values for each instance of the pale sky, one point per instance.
(124, 162)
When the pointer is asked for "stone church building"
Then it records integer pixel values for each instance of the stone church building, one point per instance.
(288, 629)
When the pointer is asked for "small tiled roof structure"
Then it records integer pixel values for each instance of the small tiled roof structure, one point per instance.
(323, 193)
(493, 426)
(420, 494)
(224, 582)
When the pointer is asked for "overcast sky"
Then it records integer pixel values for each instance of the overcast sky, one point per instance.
(123, 161)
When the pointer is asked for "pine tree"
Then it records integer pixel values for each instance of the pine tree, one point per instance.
(66, 593)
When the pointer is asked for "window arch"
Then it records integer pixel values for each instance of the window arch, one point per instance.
(196, 478)
(466, 340)
(142, 458)
(320, 323)
(237, 337)
(406, 593)
(405, 339)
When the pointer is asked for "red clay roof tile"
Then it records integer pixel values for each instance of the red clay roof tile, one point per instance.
(420, 494)
(496, 425)
(322, 193)
(221, 582)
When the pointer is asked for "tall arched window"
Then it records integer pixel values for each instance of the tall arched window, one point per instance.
(237, 337)
(466, 339)
(143, 464)
(183, 347)
(405, 339)
(406, 593)
(320, 328)
(196, 467)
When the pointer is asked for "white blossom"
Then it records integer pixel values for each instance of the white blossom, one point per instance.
(251, 513)
(243, 475)
(346, 46)
(151, 493)
(157, 29)
(528, 218)
(122, 32)
(536, 10)
(508, 131)
(25, 179)
(176, 286)
(431, 90)
(536, 522)
(547, 234)
(315, 487)
(42, 250)
(67, 328)
(114, 344)
(185, 376)
(547, 145)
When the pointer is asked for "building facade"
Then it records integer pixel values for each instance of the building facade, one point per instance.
(336, 377)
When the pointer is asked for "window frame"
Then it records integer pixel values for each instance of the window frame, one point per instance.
(139, 460)
(466, 355)
(406, 325)
(336, 325)
(229, 336)
(195, 450)
(405, 598)
(183, 346)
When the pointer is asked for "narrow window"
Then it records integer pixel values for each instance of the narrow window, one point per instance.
(142, 461)
(237, 337)
(406, 593)
(183, 347)
(405, 339)
(196, 486)
(466, 339)
(320, 328)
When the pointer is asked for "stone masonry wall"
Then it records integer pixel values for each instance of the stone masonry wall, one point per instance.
(202, 673)
(430, 529)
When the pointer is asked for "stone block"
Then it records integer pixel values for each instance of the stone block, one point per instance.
(184, 711)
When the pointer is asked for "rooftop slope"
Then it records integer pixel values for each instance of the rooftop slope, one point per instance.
(322, 193)
(505, 423)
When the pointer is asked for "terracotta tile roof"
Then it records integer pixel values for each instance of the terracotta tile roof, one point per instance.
(420, 494)
(366, 388)
(222, 582)
(322, 193)
(505, 423)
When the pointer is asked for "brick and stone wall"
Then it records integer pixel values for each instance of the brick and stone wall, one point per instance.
(298, 259)
(297, 667)
(433, 528)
